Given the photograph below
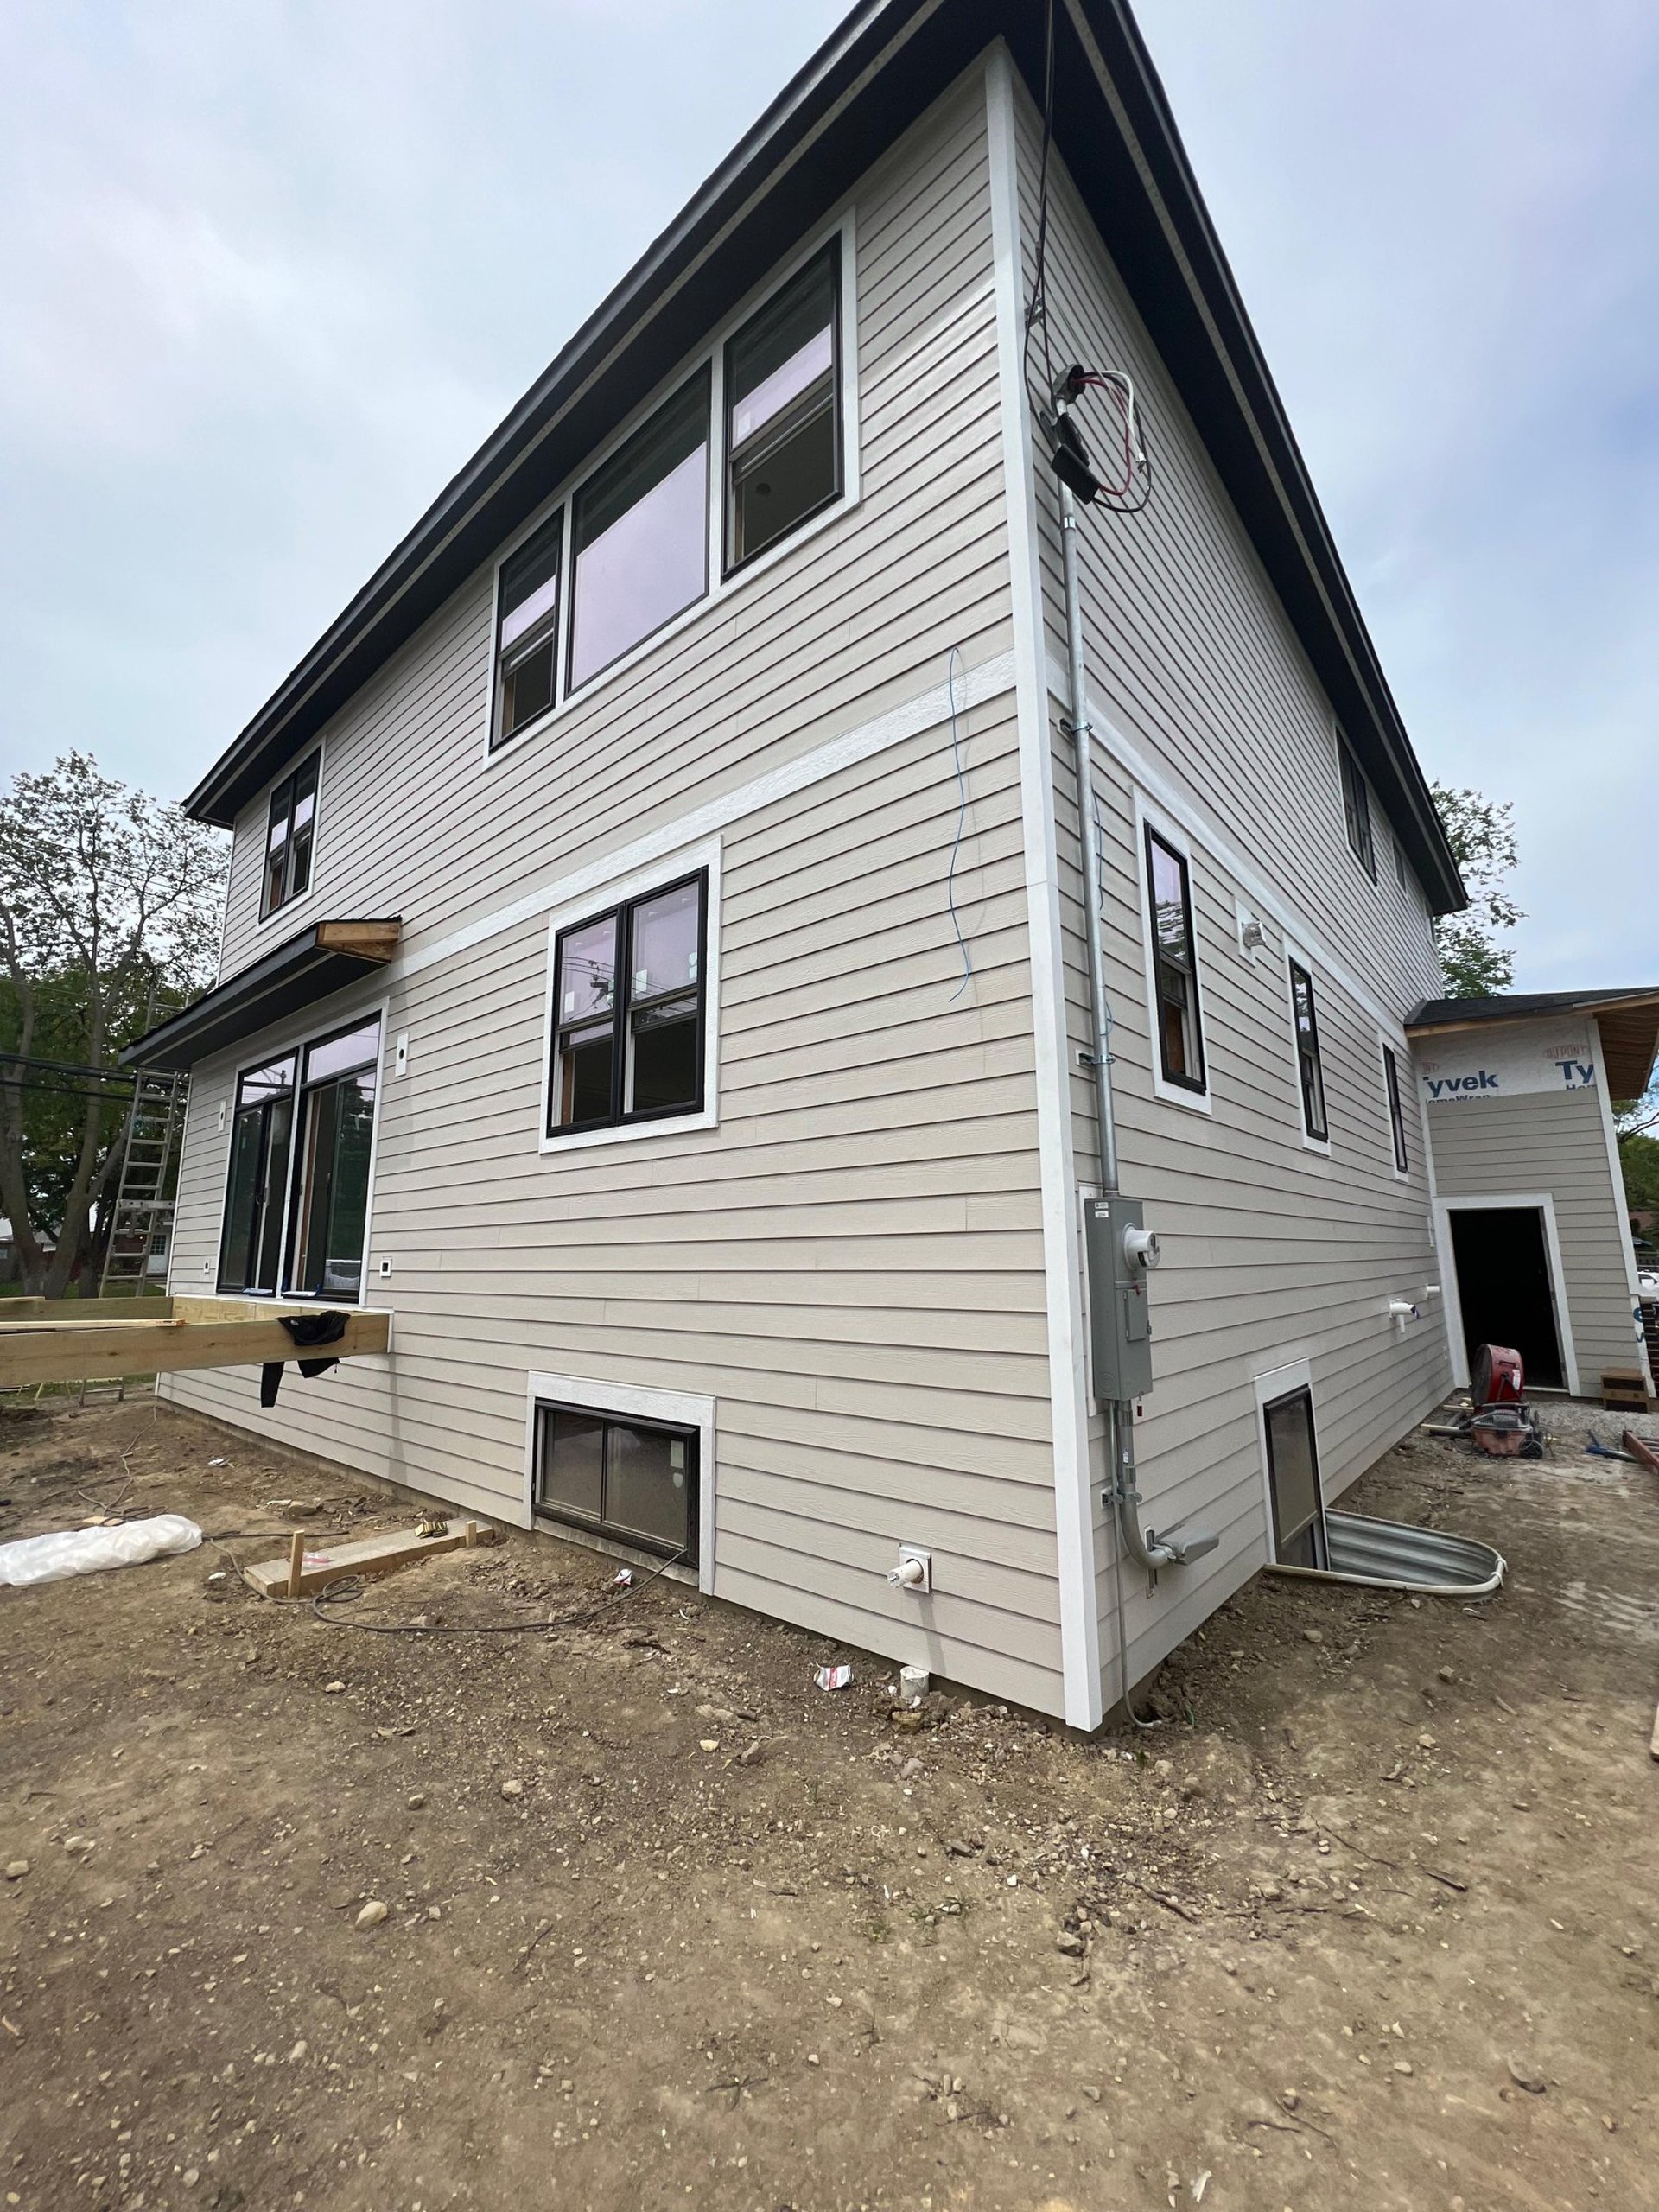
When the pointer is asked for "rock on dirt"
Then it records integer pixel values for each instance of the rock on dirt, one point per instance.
(373, 1913)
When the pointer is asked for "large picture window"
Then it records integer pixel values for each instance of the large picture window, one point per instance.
(631, 1479)
(640, 533)
(1175, 967)
(290, 828)
(527, 632)
(262, 1135)
(1310, 1069)
(331, 1189)
(629, 996)
(783, 412)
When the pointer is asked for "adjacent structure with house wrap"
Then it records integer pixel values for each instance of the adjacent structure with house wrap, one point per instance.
(656, 960)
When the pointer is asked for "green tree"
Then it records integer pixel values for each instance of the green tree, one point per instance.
(109, 911)
(1635, 1122)
(1481, 833)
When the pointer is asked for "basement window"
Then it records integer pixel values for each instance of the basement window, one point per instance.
(290, 827)
(1298, 1502)
(261, 1134)
(1357, 811)
(526, 629)
(629, 1007)
(639, 533)
(1175, 967)
(633, 1480)
(1397, 1111)
(1309, 1067)
(783, 412)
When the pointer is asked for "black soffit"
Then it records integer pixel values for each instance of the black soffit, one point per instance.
(879, 71)
(298, 972)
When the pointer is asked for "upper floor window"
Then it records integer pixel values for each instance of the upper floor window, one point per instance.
(290, 827)
(526, 629)
(782, 414)
(1175, 967)
(1397, 1109)
(1309, 1067)
(1357, 811)
(640, 533)
(629, 996)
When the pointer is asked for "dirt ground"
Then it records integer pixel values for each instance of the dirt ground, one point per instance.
(1369, 1920)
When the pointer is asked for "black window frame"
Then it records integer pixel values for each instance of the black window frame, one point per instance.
(1314, 1529)
(299, 1196)
(1357, 809)
(1199, 1083)
(1397, 1111)
(1310, 1059)
(258, 1114)
(285, 797)
(600, 1524)
(730, 452)
(542, 635)
(622, 1011)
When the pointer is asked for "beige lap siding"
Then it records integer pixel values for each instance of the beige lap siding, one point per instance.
(1529, 1144)
(850, 1264)
(413, 820)
(1271, 1252)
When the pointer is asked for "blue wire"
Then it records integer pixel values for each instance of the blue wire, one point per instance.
(952, 660)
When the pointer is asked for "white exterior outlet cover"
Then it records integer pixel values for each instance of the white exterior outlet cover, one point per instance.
(386, 1267)
(924, 1559)
(400, 1055)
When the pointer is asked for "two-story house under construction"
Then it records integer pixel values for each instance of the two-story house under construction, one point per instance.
(667, 964)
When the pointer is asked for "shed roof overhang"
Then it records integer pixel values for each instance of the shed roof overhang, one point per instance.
(1628, 1023)
(877, 73)
(295, 975)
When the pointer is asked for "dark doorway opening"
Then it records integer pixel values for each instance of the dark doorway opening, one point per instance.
(1504, 1287)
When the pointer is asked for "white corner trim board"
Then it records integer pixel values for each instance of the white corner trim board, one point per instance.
(1524, 1201)
(1617, 1173)
(678, 1408)
(1062, 1270)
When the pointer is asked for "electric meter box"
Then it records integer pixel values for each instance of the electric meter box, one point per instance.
(1119, 1254)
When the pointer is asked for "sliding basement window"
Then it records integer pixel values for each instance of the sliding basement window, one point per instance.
(1293, 1481)
(632, 1480)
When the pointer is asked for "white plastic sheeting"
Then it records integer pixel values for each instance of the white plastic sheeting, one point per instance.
(88, 1551)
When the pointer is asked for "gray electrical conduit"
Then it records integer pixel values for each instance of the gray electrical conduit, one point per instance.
(1148, 1550)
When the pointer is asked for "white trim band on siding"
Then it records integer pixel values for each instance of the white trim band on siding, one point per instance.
(1527, 1201)
(678, 1408)
(1062, 1260)
(1620, 1206)
(929, 710)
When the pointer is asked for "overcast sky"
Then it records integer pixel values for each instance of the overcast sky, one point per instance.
(271, 272)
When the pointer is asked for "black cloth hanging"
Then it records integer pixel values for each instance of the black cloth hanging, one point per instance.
(325, 1328)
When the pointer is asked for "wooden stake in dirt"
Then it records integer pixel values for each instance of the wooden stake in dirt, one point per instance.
(295, 1562)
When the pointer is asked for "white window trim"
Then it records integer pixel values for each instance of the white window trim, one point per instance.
(1533, 1201)
(297, 1038)
(1290, 950)
(719, 588)
(1273, 1384)
(1172, 1094)
(1404, 1072)
(1621, 1209)
(617, 893)
(680, 1409)
(282, 914)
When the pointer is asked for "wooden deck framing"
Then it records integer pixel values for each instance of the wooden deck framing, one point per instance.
(75, 1339)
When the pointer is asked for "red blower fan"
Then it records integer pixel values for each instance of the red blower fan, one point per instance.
(1501, 1424)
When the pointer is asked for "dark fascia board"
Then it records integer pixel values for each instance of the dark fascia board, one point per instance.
(297, 974)
(879, 71)
(1440, 1017)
